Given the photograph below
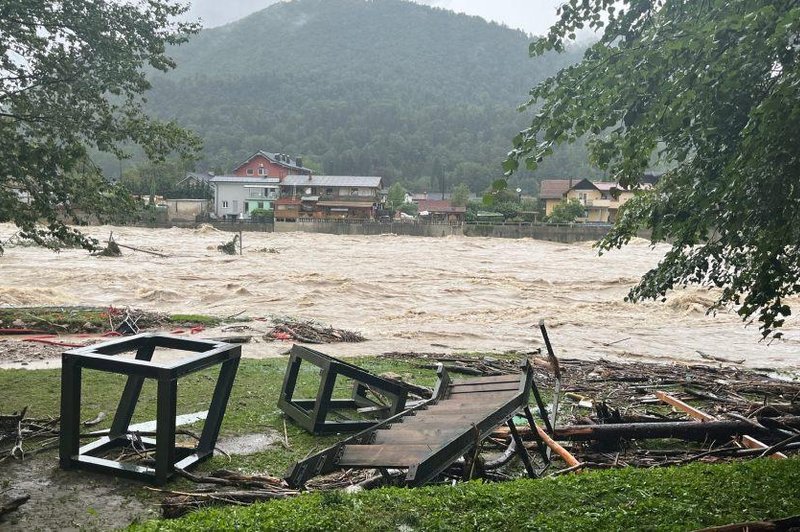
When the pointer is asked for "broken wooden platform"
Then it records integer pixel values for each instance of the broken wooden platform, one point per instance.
(425, 440)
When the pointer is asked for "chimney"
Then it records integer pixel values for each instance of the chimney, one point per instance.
(298, 162)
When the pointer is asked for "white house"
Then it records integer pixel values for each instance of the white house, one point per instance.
(236, 197)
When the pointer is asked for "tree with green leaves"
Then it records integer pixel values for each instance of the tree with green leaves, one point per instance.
(395, 196)
(460, 195)
(709, 89)
(566, 211)
(72, 75)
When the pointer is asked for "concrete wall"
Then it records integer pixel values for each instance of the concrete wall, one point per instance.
(369, 228)
(186, 209)
(566, 233)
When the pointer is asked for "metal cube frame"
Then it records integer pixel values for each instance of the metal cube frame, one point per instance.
(100, 357)
(311, 414)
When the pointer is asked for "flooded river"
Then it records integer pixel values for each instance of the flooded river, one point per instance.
(403, 293)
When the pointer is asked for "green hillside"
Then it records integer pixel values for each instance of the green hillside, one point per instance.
(383, 87)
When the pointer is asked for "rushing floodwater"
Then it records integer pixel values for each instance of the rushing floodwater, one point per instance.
(403, 293)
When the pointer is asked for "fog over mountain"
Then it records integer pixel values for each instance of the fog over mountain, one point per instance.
(530, 16)
(389, 87)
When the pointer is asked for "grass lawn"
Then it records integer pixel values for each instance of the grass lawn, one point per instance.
(658, 499)
(252, 407)
(679, 498)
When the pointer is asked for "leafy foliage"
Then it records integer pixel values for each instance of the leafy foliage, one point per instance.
(460, 195)
(262, 215)
(395, 196)
(566, 211)
(710, 89)
(390, 88)
(71, 76)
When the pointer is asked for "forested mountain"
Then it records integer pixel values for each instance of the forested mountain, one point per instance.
(383, 87)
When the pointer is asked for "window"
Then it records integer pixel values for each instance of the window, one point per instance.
(354, 191)
(246, 207)
(329, 191)
(224, 204)
(249, 171)
(260, 204)
(262, 171)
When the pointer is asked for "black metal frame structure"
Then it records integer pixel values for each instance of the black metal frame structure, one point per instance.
(311, 414)
(168, 457)
(440, 459)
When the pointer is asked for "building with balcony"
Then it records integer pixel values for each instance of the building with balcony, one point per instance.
(329, 197)
(236, 197)
(601, 199)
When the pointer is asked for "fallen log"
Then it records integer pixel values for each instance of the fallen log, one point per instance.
(746, 440)
(685, 430)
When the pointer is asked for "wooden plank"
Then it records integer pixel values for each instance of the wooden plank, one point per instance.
(428, 436)
(752, 443)
(677, 403)
(485, 388)
(458, 410)
(746, 441)
(383, 455)
(487, 380)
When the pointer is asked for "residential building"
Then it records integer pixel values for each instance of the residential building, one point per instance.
(253, 184)
(600, 199)
(441, 211)
(236, 196)
(551, 192)
(195, 180)
(267, 164)
(328, 197)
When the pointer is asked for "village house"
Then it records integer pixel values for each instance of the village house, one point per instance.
(441, 211)
(266, 164)
(328, 197)
(601, 199)
(236, 197)
(551, 192)
(254, 184)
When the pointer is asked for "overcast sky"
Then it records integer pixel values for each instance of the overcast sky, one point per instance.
(532, 16)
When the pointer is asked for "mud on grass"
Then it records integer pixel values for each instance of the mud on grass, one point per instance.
(74, 320)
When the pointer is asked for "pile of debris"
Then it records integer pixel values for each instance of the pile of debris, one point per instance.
(309, 332)
(614, 414)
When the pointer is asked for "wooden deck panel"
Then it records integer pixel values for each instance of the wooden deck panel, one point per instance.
(395, 455)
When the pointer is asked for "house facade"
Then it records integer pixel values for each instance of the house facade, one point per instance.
(551, 192)
(236, 197)
(441, 211)
(601, 199)
(267, 164)
(328, 197)
(253, 184)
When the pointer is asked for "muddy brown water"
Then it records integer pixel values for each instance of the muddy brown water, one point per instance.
(403, 293)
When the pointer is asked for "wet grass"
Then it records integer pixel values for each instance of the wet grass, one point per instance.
(71, 320)
(252, 407)
(684, 498)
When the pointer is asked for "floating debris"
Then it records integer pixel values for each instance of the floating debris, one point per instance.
(309, 332)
